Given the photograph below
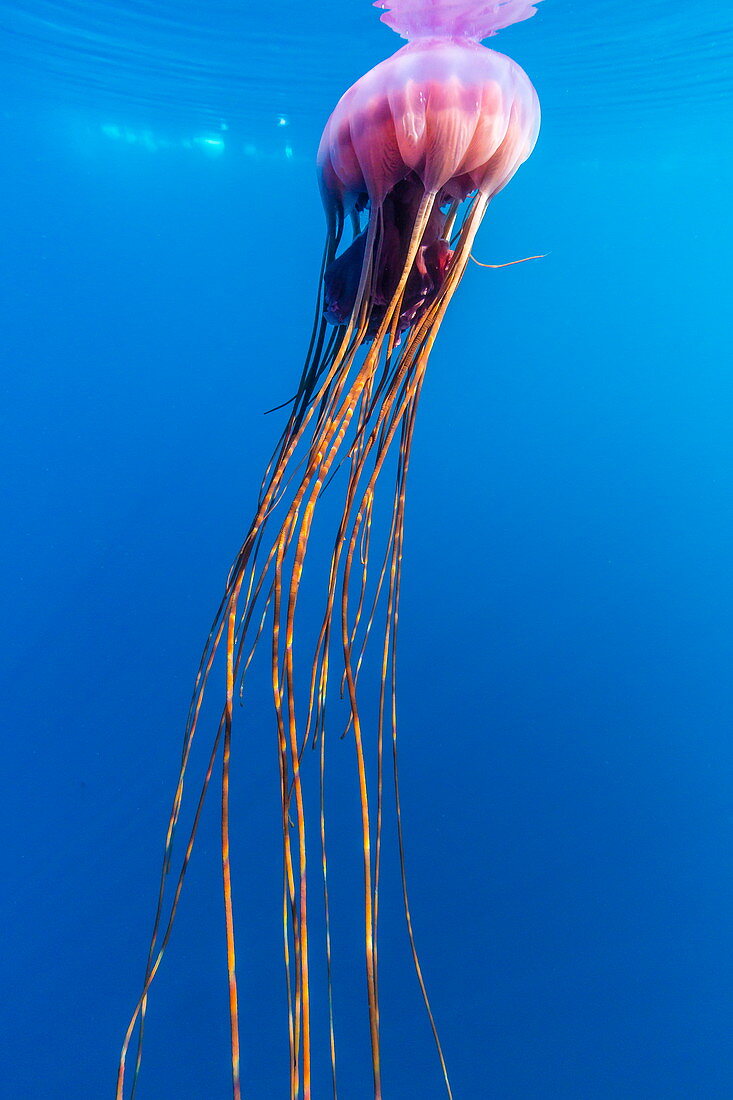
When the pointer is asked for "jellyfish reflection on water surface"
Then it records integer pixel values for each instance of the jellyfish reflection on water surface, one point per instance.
(409, 161)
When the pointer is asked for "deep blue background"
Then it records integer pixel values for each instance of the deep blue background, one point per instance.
(566, 694)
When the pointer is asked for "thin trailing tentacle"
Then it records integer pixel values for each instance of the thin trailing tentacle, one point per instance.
(327, 911)
(225, 860)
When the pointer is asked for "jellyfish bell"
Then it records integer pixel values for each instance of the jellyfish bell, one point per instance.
(440, 108)
(409, 160)
(442, 119)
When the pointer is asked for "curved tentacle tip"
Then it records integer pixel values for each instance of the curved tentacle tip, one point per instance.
(510, 263)
(477, 19)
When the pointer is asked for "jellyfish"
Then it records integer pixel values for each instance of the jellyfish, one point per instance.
(408, 163)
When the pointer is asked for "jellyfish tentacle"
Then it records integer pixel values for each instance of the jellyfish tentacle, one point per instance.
(295, 902)
(225, 859)
(174, 906)
(391, 649)
(421, 221)
(204, 669)
(405, 444)
(300, 824)
(327, 911)
(511, 263)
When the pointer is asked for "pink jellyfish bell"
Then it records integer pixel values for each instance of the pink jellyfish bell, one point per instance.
(442, 120)
(410, 159)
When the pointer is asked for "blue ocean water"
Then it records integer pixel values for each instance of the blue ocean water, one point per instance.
(566, 698)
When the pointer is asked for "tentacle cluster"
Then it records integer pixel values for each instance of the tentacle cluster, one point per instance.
(356, 405)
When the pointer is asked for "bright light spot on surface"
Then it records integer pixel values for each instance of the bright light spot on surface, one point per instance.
(211, 143)
(282, 120)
